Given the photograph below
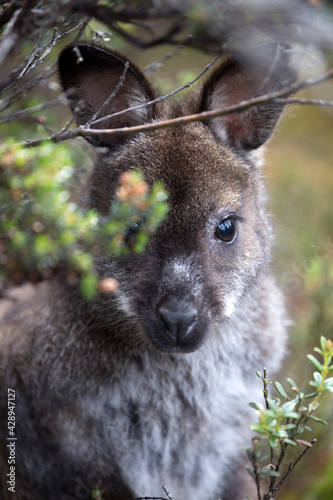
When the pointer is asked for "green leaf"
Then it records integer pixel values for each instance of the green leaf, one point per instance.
(97, 494)
(88, 286)
(289, 427)
(316, 419)
(292, 384)
(289, 441)
(257, 428)
(280, 390)
(260, 374)
(300, 429)
(273, 443)
(281, 434)
(287, 410)
(328, 384)
(271, 424)
(315, 361)
(273, 404)
(82, 261)
(317, 379)
(250, 471)
(266, 471)
(141, 243)
(312, 395)
(256, 406)
(323, 343)
(249, 452)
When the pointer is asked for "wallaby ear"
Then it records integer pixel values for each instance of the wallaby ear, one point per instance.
(90, 76)
(265, 69)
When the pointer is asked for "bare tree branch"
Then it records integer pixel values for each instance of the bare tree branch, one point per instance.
(310, 102)
(27, 113)
(218, 14)
(167, 96)
(13, 30)
(151, 498)
(291, 467)
(157, 64)
(8, 11)
(206, 115)
(94, 118)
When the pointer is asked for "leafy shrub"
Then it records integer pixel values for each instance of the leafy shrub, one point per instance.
(43, 232)
(281, 424)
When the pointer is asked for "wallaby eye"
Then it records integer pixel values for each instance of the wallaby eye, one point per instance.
(226, 231)
(130, 236)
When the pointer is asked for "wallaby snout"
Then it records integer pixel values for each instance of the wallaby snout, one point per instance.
(178, 317)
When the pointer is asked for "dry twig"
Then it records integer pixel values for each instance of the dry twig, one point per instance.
(279, 96)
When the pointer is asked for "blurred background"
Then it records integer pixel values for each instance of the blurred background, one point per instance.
(300, 181)
(174, 47)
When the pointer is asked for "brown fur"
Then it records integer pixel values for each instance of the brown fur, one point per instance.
(149, 386)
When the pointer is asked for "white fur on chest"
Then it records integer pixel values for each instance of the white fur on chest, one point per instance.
(178, 422)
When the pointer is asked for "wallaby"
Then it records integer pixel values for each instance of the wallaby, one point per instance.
(149, 386)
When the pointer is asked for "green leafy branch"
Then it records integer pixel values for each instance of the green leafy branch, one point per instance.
(281, 424)
(45, 233)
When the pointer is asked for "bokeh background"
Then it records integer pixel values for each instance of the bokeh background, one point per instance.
(300, 179)
(299, 174)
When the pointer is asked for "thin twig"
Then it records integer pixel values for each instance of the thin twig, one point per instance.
(26, 113)
(168, 494)
(12, 33)
(151, 498)
(272, 68)
(281, 457)
(313, 102)
(33, 61)
(16, 94)
(243, 105)
(168, 37)
(157, 64)
(167, 96)
(55, 40)
(265, 392)
(8, 12)
(255, 467)
(292, 466)
(182, 120)
(94, 119)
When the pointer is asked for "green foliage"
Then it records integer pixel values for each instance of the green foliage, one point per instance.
(97, 494)
(44, 232)
(283, 421)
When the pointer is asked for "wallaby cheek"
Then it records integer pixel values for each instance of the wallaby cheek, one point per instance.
(235, 273)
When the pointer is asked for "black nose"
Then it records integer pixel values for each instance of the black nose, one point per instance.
(178, 318)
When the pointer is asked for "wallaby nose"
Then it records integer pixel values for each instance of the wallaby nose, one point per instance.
(178, 318)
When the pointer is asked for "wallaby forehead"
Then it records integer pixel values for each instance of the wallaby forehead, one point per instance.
(190, 162)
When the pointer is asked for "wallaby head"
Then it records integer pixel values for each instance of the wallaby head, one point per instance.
(215, 243)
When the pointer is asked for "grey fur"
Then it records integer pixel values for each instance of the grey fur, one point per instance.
(105, 396)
